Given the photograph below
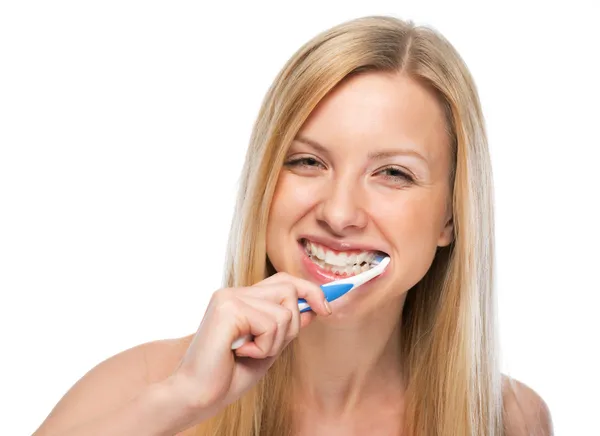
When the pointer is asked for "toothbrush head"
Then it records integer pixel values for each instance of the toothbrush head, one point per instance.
(337, 288)
(380, 258)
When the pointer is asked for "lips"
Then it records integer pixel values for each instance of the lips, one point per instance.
(326, 261)
(341, 246)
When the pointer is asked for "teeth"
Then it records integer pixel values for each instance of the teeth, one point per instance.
(336, 259)
(345, 259)
(340, 263)
(313, 251)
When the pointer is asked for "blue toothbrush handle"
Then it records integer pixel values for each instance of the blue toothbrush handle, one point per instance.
(331, 292)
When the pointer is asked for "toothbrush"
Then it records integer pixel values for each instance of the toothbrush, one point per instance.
(334, 290)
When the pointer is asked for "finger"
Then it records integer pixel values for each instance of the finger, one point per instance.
(257, 323)
(311, 292)
(303, 319)
(306, 318)
(284, 294)
(282, 316)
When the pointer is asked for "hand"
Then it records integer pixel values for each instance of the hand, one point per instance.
(210, 374)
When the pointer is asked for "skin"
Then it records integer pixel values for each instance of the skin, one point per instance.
(370, 167)
(345, 198)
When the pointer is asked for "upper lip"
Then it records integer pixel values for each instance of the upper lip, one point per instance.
(339, 245)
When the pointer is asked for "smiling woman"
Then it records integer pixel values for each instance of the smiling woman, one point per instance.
(355, 181)
(370, 141)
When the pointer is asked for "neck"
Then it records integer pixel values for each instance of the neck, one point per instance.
(346, 362)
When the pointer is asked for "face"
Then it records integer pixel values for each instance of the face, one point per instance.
(369, 172)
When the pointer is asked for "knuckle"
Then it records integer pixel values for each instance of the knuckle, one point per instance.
(225, 303)
(284, 317)
(220, 295)
(287, 315)
(289, 289)
(273, 326)
(262, 353)
(226, 307)
(292, 290)
(282, 274)
(291, 334)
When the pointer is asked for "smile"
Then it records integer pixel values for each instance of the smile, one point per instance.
(339, 263)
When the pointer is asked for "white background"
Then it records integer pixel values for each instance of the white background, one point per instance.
(123, 127)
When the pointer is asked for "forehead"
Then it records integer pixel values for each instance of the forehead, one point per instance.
(375, 110)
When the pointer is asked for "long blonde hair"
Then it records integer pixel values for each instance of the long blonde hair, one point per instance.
(449, 318)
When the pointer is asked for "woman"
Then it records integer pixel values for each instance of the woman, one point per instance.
(370, 140)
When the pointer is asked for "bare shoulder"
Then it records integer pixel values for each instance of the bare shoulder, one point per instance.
(525, 412)
(114, 381)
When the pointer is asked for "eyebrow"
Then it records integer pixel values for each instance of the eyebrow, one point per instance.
(314, 144)
(376, 155)
(395, 152)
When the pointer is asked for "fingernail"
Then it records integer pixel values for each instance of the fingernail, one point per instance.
(327, 307)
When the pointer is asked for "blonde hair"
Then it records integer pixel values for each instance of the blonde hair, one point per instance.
(449, 318)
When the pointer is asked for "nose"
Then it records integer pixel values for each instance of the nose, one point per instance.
(340, 210)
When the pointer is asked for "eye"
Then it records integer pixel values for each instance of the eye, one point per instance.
(307, 162)
(396, 175)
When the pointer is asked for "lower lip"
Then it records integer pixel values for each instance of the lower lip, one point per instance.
(321, 275)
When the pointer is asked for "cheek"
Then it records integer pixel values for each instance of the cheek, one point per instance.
(411, 223)
(294, 198)
(411, 217)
